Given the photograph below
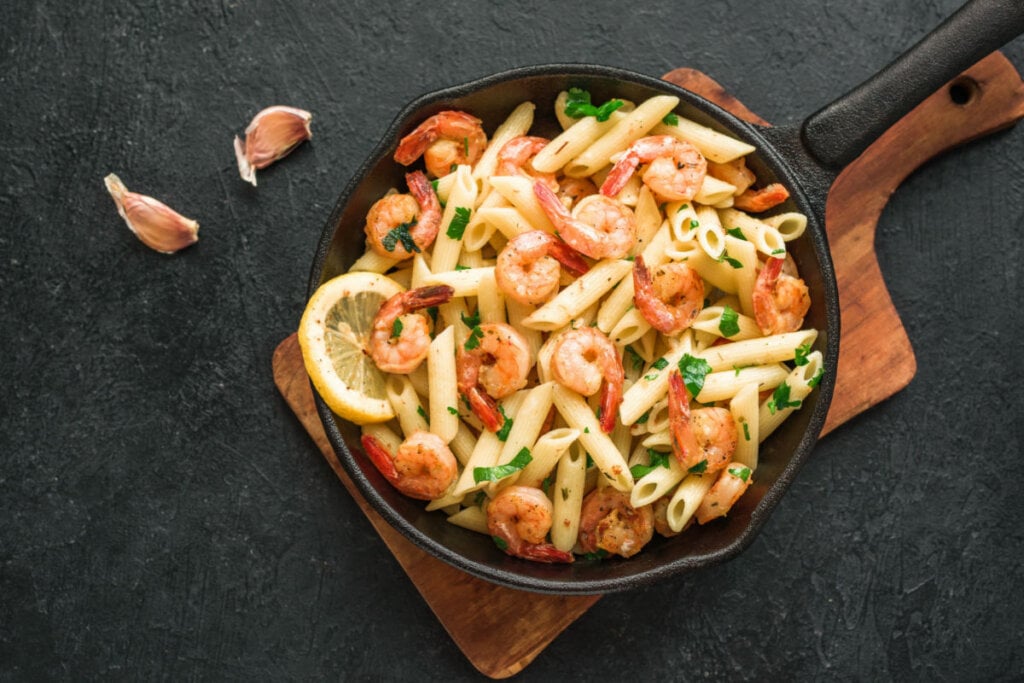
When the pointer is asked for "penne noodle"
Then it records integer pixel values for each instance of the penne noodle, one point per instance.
(630, 128)
(687, 498)
(443, 392)
(715, 146)
(473, 518)
(458, 211)
(577, 297)
(746, 413)
(800, 381)
(466, 283)
(518, 123)
(568, 490)
(606, 456)
(406, 403)
(790, 225)
(546, 453)
(518, 191)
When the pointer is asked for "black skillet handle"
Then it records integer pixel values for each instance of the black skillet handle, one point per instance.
(836, 134)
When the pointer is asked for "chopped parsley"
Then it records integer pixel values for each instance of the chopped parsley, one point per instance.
(475, 335)
(459, 222)
(506, 426)
(565, 493)
(694, 224)
(432, 312)
(682, 206)
(422, 413)
(814, 381)
(643, 418)
(746, 429)
(670, 119)
(634, 358)
(498, 472)
(465, 145)
(780, 399)
(656, 458)
(737, 233)
(659, 364)
(730, 260)
(693, 370)
(401, 234)
(800, 354)
(453, 411)
(740, 472)
(599, 554)
(699, 468)
(778, 251)
(459, 266)
(577, 105)
(729, 324)
(470, 321)
(396, 328)
(500, 542)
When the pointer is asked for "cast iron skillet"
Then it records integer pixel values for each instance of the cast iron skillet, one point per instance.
(806, 159)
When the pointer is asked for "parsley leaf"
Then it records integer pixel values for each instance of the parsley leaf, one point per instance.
(506, 426)
(729, 324)
(800, 354)
(737, 233)
(459, 222)
(742, 472)
(422, 413)
(730, 260)
(780, 399)
(694, 224)
(699, 468)
(500, 542)
(634, 358)
(470, 321)
(814, 381)
(401, 234)
(657, 459)
(670, 119)
(577, 105)
(475, 335)
(643, 418)
(396, 327)
(453, 411)
(693, 370)
(498, 472)
(746, 430)
(659, 364)
(599, 554)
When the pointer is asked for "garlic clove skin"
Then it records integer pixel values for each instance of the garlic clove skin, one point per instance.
(273, 133)
(158, 226)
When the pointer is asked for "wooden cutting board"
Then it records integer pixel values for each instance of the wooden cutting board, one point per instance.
(495, 636)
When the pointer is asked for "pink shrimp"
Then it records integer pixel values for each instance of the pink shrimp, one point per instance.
(495, 366)
(584, 360)
(423, 467)
(733, 172)
(756, 201)
(705, 435)
(572, 190)
(734, 480)
(398, 225)
(400, 339)
(675, 173)
(516, 155)
(529, 266)
(610, 523)
(780, 301)
(598, 226)
(444, 140)
(519, 518)
(671, 299)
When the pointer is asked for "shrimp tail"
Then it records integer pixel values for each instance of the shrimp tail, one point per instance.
(415, 143)
(620, 174)
(684, 443)
(756, 201)
(425, 297)
(611, 397)
(545, 552)
(568, 257)
(550, 203)
(380, 457)
(643, 287)
(485, 408)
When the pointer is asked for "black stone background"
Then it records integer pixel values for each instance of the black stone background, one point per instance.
(165, 516)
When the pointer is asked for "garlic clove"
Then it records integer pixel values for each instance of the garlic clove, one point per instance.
(273, 133)
(158, 226)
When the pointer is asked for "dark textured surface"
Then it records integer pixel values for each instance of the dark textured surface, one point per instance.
(165, 516)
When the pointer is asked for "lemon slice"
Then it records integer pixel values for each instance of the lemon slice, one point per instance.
(334, 334)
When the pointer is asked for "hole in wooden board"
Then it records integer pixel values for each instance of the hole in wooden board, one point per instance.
(963, 90)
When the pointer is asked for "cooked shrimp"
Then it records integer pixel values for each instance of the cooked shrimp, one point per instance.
(493, 368)
(780, 301)
(609, 523)
(675, 173)
(444, 140)
(400, 337)
(723, 494)
(399, 225)
(756, 201)
(519, 519)
(584, 360)
(529, 266)
(572, 190)
(423, 468)
(515, 156)
(671, 299)
(734, 172)
(661, 525)
(705, 435)
(598, 226)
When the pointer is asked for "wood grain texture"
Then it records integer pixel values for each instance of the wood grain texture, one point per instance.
(494, 636)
